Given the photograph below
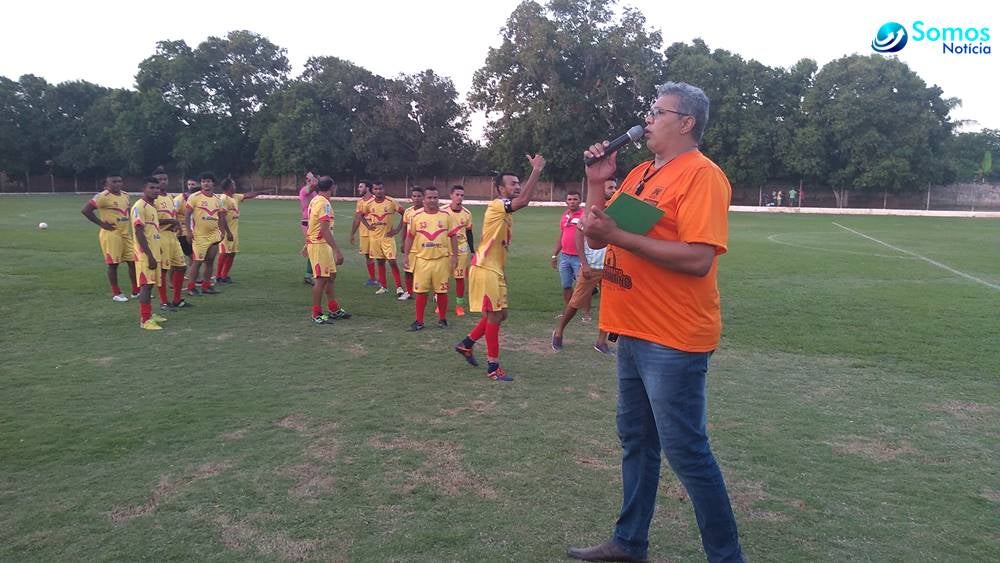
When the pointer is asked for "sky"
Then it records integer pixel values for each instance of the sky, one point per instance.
(104, 42)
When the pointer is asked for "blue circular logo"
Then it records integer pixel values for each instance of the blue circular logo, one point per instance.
(891, 38)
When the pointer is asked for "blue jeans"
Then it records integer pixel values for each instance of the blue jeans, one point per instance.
(661, 405)
(569, 269)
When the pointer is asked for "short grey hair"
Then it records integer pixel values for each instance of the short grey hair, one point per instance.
(691, 100)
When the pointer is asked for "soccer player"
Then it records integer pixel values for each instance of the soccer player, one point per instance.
(228, 249)
(377, 216)
(184, 235)
(306, 193)
(463, 234)
(364, 196)
(146, 233)
(431, 238)
(172, 261)
(208, 222)
(591, 272)
(417, 196)
(565, 257)
(487, 283)
(324, 254)
(112, 204)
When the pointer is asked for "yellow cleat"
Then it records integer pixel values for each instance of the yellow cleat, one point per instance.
(157, 318)
(150, 325)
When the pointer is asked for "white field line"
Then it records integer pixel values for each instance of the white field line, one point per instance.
(924, 258)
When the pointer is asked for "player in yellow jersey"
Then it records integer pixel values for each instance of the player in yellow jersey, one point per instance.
(172, 263)
(228, 249)
(431, 251)
(112, 207)
(378, 217)
(463, 234)
(208, 224)
(146, 234)
(487, 282)
(417, 197)
(364, 196)
(323, 254)
(184, 235)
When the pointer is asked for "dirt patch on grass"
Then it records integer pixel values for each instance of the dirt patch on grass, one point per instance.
(872, 448)
(223, 336)
(568, 389)
(965, 410)
(531, 345)
(442, 469)
(241, 536)
(295, 421)
(164, 489)
(356, 350)
(599, 455)
(744, 494)
(323, 450)
(593, 393)
(311, 481)
(104, 362)
(235, 434)
(990, 494)
(477, 407)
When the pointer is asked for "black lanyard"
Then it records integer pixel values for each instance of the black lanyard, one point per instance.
(646, 176)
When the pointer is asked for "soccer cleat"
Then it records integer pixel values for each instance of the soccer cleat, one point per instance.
(226, 279)
(442, 323)
(371, 283)
(210, 291)
(167, 307)
(499, 375)
(459, 311)
(157, 318)
(417, 325)
(322, 320)
(338, 314)
(150, 325)
(121, 298)
(556, 342)
(381, 290)
(196, 292)
(404, 296)
(604, 349)
(400, 291)
(182, 304)
(307, 280)
(467, 354)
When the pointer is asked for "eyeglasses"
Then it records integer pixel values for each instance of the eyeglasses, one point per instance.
(657, 112)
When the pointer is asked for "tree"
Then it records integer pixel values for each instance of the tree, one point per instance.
(565, 76)
(870, 123)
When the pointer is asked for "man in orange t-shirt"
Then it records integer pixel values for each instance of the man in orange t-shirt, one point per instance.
(661, 298)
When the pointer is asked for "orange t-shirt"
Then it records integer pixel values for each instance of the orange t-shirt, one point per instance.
(646, 301)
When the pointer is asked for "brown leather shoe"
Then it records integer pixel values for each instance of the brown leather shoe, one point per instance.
(607, 551)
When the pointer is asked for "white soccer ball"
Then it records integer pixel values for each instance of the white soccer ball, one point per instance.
(43, 226)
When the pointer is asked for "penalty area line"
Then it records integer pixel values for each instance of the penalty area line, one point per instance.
(924, 258)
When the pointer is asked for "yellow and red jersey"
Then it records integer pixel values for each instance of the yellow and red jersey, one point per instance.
(463, 221)
(380, 215)
(497, 231)
(205, 210)
(408, 215)
(180, 201)
(113, 209)
(361, 208)
(431, 234)
(144, 217)
(320, 211)
(232, 206)
(165, 210)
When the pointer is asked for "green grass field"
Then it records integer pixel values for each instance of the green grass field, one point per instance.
(854, 405)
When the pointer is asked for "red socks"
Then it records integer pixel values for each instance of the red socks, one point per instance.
(459, 287)
(371, 270)
(479, 330)
(395, 273)
(409, 282)
(421, 305)
(381, 274)
(220, 268)
(162, 288)
(317, 311)
(206, 283)
(135, 289)
(115, 290)
(492, 342)
(442, 305)
(145, 311)
(333, 306)
(178, 281)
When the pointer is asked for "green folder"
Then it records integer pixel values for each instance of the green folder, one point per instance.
(633, 214)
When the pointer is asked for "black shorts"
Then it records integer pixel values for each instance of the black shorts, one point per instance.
(185, 245)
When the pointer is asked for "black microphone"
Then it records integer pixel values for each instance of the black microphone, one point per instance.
(632, 135)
